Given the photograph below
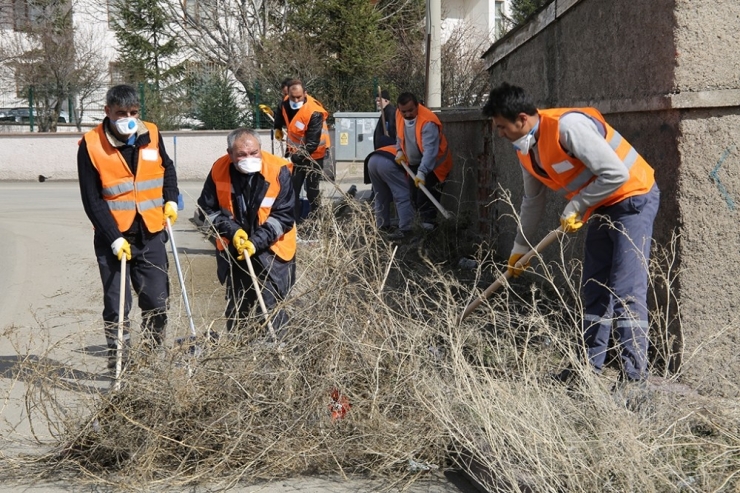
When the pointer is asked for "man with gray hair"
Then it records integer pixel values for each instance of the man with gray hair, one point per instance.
(249, 202)
(128, 186)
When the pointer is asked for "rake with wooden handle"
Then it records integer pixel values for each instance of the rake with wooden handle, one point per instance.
(121, 321)
(256, 284)
(426, 191)
(544, 243)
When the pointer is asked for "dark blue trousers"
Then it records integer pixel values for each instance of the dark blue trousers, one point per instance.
(147, 273)
(615, 282)
(426, 209)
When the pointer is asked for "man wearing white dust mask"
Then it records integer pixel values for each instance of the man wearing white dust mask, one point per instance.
(575, 152)
(129, 186)
(248, 200)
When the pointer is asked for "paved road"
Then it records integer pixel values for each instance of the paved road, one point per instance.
(50, 304)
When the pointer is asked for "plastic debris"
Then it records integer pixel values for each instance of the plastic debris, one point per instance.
(339, 405)
(467, 263)
(415, 466)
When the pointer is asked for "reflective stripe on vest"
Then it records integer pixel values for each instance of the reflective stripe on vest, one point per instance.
(285, 246)
(568, 175)
(296, 135)
(443, 161)
(125, 193)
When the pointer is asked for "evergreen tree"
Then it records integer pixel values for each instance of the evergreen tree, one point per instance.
(215, 104)
(344, 45)
(522, 10)
(147, 56)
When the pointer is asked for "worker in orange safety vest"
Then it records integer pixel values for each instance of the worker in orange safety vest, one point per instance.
(248, 201)
(128, 186)
(606, 183)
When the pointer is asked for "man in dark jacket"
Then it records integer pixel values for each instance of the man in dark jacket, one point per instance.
(128, 186)
(385, 135)
(307, 140)
(248, 200)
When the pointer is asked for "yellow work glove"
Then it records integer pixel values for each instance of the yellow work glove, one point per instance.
(170, 211)
(120, 248)
(420, 179)
(516, 253)
(266, 109)
(570, 219)
(279, 134)
(248, 249)
(239, 240)
(400, 158)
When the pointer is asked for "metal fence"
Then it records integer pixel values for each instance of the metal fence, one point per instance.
(198, 103)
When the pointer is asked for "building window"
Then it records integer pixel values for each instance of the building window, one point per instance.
(26, 14)
(499, 12)
(201, 13)
(116, 74)
(6, 14)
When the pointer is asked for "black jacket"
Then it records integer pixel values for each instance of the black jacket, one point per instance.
(91, 191)
(248, 191)
(313, 132)
(379, 138)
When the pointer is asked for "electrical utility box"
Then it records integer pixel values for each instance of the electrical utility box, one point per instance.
(353, 135)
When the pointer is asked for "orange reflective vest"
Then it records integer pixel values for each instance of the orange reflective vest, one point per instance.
(444, 158)
(125, 193)
(285, 246)
(296, 137)
(568, 175)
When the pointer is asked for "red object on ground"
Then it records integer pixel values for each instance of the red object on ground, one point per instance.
(339, 405)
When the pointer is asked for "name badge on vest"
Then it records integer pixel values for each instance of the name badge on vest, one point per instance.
(149, 154)
(562, 167)
(300, 125)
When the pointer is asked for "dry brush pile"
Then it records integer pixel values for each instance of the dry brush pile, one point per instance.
(377, 377)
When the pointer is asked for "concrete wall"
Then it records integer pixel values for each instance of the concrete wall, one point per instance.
(666, 74)
(470, 186)
(24, 156)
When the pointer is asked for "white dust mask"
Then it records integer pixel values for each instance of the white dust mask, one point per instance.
(126, 126)
(526, 142)
(249, 165)
(296, 105)
(410, 123)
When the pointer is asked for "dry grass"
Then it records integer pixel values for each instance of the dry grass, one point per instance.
(423, 390)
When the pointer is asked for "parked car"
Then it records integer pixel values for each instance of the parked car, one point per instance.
(6, 115)
(22, 115)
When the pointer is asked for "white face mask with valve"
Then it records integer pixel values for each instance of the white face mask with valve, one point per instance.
(296, 105)
(249, 165)
(410, 123)
(526, 142)
(126, 126)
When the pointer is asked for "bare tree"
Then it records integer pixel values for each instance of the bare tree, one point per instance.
(465, 81)
(226, 32)
(51, 64)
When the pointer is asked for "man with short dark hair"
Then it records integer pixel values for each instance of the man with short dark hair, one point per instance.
(388, 177)
(577, 153)
(422, 144)
(278, 122)
(128, 186)
(307, 142)
(248, 199)
(385, 135)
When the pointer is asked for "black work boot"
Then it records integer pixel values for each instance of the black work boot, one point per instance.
(112, 352)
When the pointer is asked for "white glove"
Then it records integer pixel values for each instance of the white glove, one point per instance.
(120, 248)
(420, 179)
